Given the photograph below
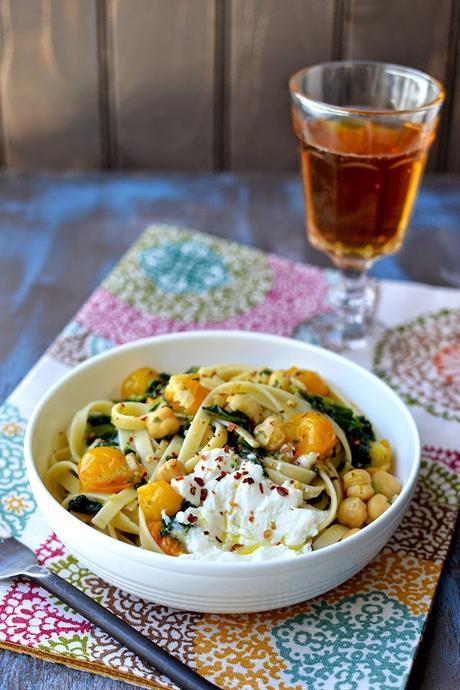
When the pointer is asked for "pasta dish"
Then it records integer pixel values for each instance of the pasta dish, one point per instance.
(224, 463)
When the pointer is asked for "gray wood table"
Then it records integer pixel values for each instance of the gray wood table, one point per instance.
(61, 234)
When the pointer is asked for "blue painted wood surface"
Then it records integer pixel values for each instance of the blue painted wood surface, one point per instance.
(61, 234)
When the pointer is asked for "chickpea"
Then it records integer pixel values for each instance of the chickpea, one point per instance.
(162, 422)
(362, 491)
(380, 452)
(170, 470)
(355, 478)
(240, 402)
(376, 506)
(270, 433)
(386, 484)
(352, 512)
(350, 533)
(279, 379)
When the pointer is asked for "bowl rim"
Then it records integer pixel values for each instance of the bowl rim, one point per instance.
(209, 567)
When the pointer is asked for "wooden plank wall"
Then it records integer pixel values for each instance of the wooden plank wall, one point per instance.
(196, 84)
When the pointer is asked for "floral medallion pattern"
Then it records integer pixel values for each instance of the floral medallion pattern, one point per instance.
(363, 641)
(359, 636)
(421, 361)
(17, 503)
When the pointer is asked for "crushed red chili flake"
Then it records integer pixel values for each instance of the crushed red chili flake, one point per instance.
(231, 427)
(227, 448)
(237, 475)
(282, 491)
(248, 480)
(251, 517)
(220, 458)
(144, 418)
(192, 518)
(179, 479)
(221, 476)
(272, 487)
(130, 439)
(261, 488)
(219, 540)
(199, 481)
(193, 490)
(174, 454)
(236, 546)
(203, 494)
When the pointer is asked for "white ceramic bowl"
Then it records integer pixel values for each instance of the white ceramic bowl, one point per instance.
(209, 586)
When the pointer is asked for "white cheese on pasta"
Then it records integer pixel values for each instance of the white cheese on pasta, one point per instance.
(238, 513)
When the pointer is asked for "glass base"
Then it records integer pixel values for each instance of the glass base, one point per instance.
(327, 331)
(350, 324)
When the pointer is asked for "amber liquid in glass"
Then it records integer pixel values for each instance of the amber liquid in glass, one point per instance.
(360, 181)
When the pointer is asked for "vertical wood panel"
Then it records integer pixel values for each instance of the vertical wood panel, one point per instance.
(269, 40)
(452, 152)
(408, 32)
(49, 83)
(163, 83)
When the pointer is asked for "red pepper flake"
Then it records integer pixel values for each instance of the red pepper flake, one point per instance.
(236, 546)
(272, 487)
(251, 517)
(192, 518)
(237, 475)
(174, 454)
(221, 476)
(213, 492)
(227, 448)
(179, 479)
(199, 481)
(219, 540)
(248, 480)
(231, 427)
(130, 439)
(282, 491)
(203, 494)
(193, 490)
(144, 418)
(261, 488)
(220, 458)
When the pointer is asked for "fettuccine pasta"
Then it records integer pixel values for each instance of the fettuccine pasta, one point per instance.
(223, 462)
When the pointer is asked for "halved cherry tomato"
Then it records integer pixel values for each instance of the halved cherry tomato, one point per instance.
(185, 393)
(311, 380)
(156, 497)
(137, 381)
(104, 470)
(311, 432)
(170, 546)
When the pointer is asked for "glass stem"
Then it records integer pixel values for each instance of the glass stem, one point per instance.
(355, 300)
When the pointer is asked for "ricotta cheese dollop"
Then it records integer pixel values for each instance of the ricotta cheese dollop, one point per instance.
(237, 513)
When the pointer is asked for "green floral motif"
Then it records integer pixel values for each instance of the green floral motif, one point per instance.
(442, 483)
(74, 646)
(70, 569)
(238, 278)
(410, 359)
(364, 641)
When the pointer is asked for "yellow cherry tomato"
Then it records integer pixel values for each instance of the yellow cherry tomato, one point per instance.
(311, 432)
(185, 393)
(156, 497)
(104, 470)
(170, 546)
(137, 381)
(311, 380)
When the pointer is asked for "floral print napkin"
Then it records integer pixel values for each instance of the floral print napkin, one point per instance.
(365, 633)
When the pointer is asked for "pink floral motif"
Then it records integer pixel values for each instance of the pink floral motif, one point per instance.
(447, 363)
(297, 293)
(51, 548)
(450, 458)
(28, 617)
